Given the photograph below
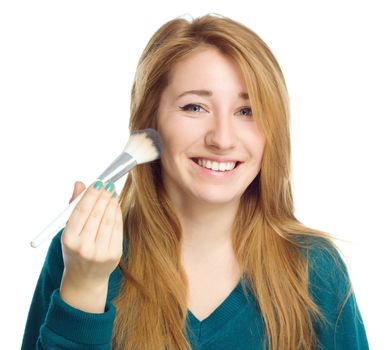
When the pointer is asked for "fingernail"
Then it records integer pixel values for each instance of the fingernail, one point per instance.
(110, 186)
(98, 185)
(114, 195)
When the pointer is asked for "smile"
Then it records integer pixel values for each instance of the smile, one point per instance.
(216, 168)
(225, 166)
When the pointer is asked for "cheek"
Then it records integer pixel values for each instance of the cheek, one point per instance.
(178, 132)
(255, 144)
(174, 143)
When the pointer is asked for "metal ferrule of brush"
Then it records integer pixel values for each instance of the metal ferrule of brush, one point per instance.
(118, 168)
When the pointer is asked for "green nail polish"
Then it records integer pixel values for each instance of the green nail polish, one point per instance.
(110, 187)
(114, 194)
(98, 185)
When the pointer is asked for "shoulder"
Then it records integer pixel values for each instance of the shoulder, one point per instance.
(328, 277)
(323, 256)
(325, 260)
(331, 289)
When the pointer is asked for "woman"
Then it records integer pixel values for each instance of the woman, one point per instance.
(213, 256)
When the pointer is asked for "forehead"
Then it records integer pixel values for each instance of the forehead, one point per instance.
(207, 69)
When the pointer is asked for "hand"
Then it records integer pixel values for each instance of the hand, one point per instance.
(92, 239)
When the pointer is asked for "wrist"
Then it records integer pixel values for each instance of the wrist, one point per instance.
(85, 284)
(88, 297)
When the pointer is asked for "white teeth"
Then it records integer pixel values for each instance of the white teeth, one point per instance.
(216, 165)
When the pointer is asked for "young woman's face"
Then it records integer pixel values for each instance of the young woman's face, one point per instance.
(212, 126)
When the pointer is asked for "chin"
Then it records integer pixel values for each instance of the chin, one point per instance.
(218, 198)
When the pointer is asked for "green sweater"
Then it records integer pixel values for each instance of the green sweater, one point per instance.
(235, 324)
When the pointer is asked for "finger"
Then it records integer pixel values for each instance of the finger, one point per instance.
(78, 188)
(106, 225)
(116, 239)
(72, 196)
(81, 212)
(90, 229)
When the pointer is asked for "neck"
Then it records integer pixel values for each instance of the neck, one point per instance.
(206, 227)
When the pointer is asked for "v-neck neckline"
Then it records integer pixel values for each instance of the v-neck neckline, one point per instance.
(222, 306)
(228, 309)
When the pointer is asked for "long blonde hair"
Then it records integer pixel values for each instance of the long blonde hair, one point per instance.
(152, 303)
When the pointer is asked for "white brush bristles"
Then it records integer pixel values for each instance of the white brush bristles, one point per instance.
(144, 145)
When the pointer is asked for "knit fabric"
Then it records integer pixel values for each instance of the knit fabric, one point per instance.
(235, 324)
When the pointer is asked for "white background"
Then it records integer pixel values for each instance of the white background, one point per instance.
(66, 70)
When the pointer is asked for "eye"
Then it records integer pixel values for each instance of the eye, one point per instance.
(249, 111)
(189, 106)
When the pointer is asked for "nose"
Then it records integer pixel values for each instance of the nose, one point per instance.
(221, 134)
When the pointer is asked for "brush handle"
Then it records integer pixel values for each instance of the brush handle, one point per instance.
(58, 223)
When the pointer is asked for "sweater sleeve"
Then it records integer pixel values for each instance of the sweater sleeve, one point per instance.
(329, 286)
(54, 324)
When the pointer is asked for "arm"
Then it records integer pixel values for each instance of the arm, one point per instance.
(52, 323)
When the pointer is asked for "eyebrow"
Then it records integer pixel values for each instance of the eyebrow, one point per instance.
(243, 95)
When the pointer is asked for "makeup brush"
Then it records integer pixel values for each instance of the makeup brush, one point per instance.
(143, 146)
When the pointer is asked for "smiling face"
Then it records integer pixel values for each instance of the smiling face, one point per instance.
(212, 124)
